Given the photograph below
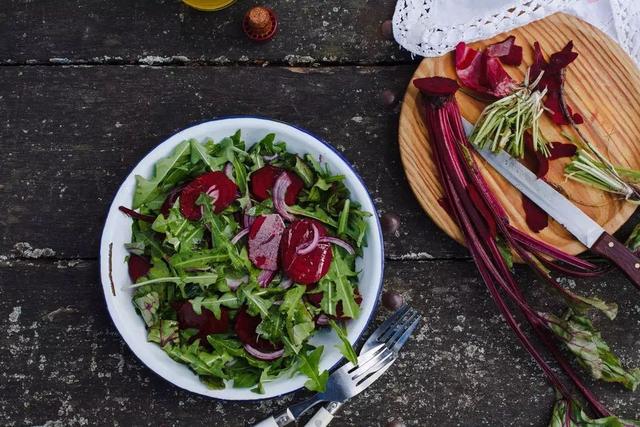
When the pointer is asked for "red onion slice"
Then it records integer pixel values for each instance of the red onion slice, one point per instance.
(235, 283)
(263, 355)
(304, 249)
(265, 277)
(286, 282)
(338, 242)
(279, 192)
(240, 235)
(322, 320)
(247, 219)
(228, 170)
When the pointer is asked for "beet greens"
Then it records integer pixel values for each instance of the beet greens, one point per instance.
(491, 240)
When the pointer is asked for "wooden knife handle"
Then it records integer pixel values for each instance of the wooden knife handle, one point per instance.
(608, 247)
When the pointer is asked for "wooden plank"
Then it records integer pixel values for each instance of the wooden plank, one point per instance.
(63, 361)
(139, 31)
(71, 134)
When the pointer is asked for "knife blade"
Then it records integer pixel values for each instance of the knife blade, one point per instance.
(558, 207)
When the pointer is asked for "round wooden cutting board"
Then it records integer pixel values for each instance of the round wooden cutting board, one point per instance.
(603, 84)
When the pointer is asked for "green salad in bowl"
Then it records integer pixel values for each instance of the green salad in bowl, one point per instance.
(240, 254)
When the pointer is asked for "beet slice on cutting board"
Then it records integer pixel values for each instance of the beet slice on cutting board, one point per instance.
(217, 184)
(245, 328)
(138, 266)
(264, 241)
(263, 179)
(310, 267)
(206, 322)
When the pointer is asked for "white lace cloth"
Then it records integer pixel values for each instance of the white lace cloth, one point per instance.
(434, 27)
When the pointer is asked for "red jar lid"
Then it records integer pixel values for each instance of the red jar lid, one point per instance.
(260, 24)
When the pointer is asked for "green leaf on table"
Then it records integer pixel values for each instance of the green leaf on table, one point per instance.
(148, 306)
(147, 189)
(309, 365)
(592, 352)
(165, 332)
(345, 346)
(578, 418)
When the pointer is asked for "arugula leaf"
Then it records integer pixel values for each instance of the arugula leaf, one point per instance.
(345, 347)
(199, 153)
(271, 326)
(585, 342)
(291, 301)
(309, 365)
(197, 260)
(344, 216)
(225, 344)
(316, 213)
(220, 235)
(148, 306)
(147, 189)
(303, 170)
(164, 333)
(180, 233)
(337, 287)
(213, 303)
(257, 304)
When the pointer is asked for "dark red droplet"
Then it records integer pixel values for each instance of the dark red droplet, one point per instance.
(386, 29)
(390, 223)
(392, 300)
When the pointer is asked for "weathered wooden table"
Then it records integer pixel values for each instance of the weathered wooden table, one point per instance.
(87, 87)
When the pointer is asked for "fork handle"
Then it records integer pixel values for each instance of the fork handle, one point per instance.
(282, 419)
(323, 417)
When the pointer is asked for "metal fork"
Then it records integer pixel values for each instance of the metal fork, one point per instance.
(393, 333)
(378, 353)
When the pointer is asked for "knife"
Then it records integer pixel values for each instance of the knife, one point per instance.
(583, 228)
(386, 334)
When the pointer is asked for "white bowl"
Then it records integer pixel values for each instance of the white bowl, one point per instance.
(117, 231)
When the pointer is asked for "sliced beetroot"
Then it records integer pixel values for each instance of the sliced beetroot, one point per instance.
(553, 80)
(536, 218)
(540, 163)
(245, 328)
(291, 196)
(436, 86)
(264, 241)
(262, 181)
(482, 73)
(217, 184)
(206, 322)
(307, 268)
(138, 266)
(507, 51)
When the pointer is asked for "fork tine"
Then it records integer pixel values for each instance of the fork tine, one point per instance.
(384, 326)
(401, 328)
(400, 324)
(367, 381)
(373, 366)
(405, 336)
(371, 363)
(363, 357)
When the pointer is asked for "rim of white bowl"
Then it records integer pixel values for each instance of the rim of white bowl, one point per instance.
(104, 249)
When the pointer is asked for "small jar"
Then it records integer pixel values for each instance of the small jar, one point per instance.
(209, 5)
